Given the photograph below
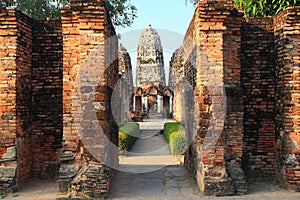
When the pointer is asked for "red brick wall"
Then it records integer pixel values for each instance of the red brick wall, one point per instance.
(212, 56)
(90, 74)
(31, 59)
(46, 76)
(259, 72)
(287, 42)
(8, 70)
(23, 99)
(258, 80)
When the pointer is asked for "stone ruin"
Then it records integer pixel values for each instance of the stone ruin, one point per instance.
(240, 105)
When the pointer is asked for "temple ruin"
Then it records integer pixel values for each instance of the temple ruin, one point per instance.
(240, 97)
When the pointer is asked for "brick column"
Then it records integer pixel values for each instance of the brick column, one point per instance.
(90, 74)
(287, 41)
(212, 46)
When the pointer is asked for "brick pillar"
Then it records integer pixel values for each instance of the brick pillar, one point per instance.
(90, 74)
(212, 46)
(16, 137)
(8, 74)
(287, 41)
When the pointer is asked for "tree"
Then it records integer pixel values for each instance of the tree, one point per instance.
(122, 12)
(263, 8)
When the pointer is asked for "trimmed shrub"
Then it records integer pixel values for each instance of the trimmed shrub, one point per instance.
(177, 143)
(128, 134)
(170, 128)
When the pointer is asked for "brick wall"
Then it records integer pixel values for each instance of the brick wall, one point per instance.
(46, 77)
(8, 76)
(123, 92)
(176, 82)
(31, 124)
(255, 61)
(212, 66)
(23, 96)
(90, 74)
(287, 43)
(258, 80)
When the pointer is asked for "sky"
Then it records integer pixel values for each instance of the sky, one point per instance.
(170, 18)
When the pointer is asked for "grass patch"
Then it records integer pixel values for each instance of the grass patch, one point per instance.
(128, 134)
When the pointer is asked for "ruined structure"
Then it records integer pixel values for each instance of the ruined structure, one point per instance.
(123, 92)
(150, 60)
(243, 117)
(57, 78)
(177, 83)
(151, 95)
(240, 100)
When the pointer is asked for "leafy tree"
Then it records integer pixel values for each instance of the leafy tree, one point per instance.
(263, 8)
(122, 12)
(260, 8)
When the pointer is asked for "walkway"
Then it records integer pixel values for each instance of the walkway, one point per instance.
(150, 170)
(143, 175)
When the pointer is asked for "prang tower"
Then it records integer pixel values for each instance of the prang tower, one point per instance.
(150, 60)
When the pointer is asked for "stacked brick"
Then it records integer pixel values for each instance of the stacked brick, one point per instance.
(29, 139)
(46, 82)
(90, 74)
(256, 64)
(8, 76)
(176, 82)
(123, 93)
(287, 42)
(258, 80)
(212, 66)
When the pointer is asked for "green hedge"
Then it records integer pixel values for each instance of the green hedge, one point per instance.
(128, 134)
(177, 143)
(170, 128)
(175, 135)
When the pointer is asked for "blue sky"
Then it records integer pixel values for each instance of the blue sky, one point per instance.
(170, 18)
(174, 15)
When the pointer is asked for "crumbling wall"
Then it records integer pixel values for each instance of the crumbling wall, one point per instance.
(248, 68)
(46, 83)
(31, 60)
(123, 93)
(287, 148)
(90, 74)
(176, 82)
(259, 81)
(212, 67)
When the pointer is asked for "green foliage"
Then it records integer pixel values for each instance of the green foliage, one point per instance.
(170, 128)
(122, 12)
(128, 134)
(263, 8)
(175, 135)
(2, 195)
(177, 143)
(41, 9)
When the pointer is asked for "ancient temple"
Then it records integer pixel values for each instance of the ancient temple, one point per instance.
(150, 60)
(151, 95)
